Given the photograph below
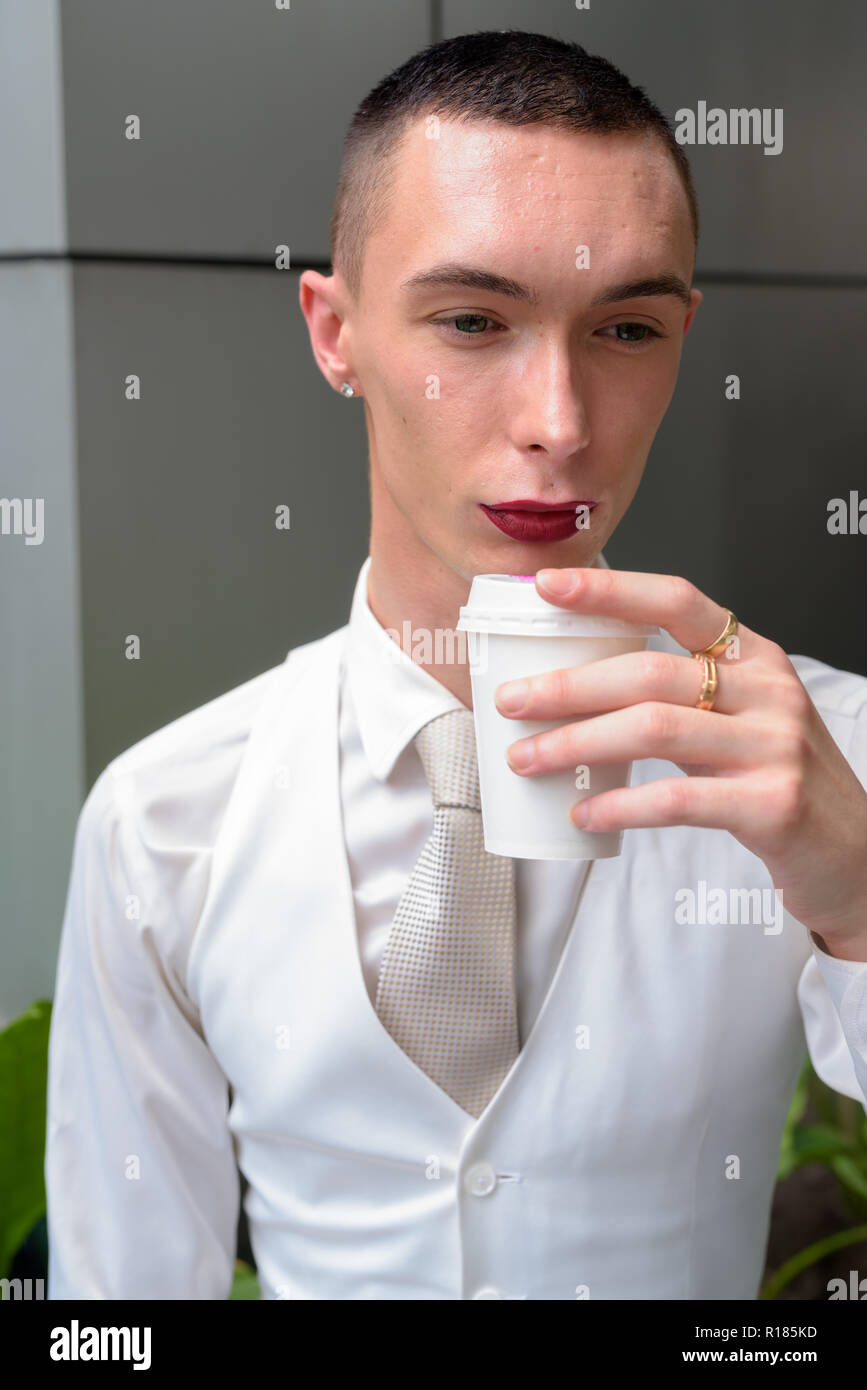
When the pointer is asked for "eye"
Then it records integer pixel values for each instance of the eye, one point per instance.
(634, 343)
(467, 325)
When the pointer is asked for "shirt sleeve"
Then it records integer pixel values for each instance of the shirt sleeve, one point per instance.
(833, 997)
(141, 1179)
(833, 993)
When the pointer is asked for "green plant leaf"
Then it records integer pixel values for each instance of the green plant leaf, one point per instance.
(797, 1106)
(825, 1100)
(808, 1256)
(23, 1080)
(851, 1176)
(819, 1144)
(245, 1284)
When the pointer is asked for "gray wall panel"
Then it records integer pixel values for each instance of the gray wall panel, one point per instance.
(179, 489)
(243, 109)
(41, 745)
(33, 201)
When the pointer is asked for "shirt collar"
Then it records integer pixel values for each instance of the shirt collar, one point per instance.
(393, 695)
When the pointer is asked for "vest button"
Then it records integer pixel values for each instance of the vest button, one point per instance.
(480, 1179)
(488, 1292)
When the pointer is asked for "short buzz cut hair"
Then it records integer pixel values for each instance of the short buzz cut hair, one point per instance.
(506, 76)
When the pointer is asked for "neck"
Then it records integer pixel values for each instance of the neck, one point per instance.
(413, 592)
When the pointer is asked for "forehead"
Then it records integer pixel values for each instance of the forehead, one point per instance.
(458, 187)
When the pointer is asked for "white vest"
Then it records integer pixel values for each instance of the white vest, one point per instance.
(641, 1166)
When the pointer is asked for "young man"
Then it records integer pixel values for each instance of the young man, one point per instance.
(249, 975)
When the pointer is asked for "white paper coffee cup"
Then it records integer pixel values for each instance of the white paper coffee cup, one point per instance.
(513, 632)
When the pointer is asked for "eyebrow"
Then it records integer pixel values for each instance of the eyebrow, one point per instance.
(456, 275)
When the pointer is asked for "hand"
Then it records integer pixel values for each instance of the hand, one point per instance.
(760, 764)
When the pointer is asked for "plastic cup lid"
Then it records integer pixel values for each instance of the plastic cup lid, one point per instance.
(510, 603)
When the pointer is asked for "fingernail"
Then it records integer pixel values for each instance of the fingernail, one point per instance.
(557, 581)
(521, 756)
(511, 696)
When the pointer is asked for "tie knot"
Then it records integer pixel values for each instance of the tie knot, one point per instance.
(447, 748)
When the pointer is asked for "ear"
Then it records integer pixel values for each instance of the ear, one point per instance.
(322, 299)
(695, 299)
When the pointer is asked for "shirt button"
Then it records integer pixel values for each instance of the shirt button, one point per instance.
(480, 1179)
(488, 1292)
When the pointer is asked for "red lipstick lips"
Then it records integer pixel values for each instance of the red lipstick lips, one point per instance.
(526, 519)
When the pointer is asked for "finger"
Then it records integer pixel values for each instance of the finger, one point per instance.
(615, 682)
(667, 600)
(717, 803)
(652, 730)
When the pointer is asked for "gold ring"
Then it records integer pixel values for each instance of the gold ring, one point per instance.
(710, 682)
(718, 647)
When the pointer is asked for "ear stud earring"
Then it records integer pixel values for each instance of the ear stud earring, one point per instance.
(346, 389)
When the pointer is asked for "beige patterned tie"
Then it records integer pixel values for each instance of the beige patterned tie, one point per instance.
(446, 989)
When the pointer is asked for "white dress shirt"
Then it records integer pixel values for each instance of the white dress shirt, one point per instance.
(200, 927)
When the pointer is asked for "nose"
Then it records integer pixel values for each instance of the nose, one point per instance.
(551, 414)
